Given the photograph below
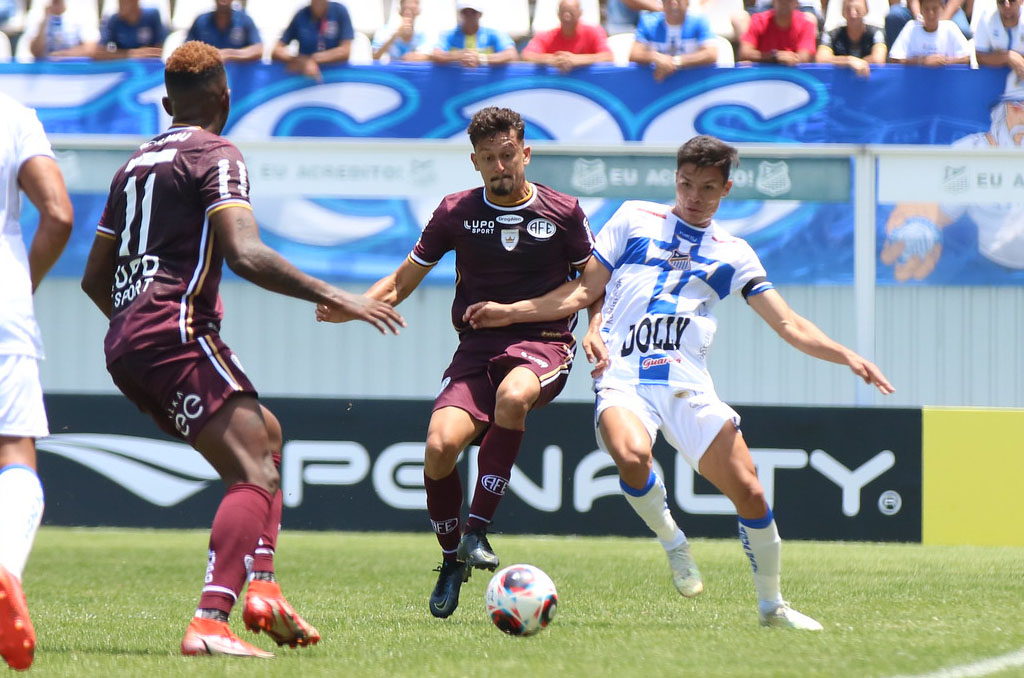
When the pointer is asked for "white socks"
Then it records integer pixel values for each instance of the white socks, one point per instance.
(649, 503)
(761, 543)
(21, 510)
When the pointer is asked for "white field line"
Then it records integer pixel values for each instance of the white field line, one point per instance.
(985, 667)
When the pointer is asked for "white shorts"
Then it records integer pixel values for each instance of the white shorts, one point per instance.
(690, 420)
(22, 414)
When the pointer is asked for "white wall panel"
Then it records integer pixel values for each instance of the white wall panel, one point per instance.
(957, 346)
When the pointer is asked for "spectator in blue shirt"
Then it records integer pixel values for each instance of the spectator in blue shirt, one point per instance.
(673, 39)
(324, 33)
(135, 32)
(473, 45)
(59, 33)
(403, 42)
(230, 30)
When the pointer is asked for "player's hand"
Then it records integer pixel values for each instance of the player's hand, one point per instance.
(869, 372)
(485, 314)
(913, 242)
(469, 59)
(597, 353)
(348, 306)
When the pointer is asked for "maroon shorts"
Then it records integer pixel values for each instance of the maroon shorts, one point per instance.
(181, 387)
(484, 359)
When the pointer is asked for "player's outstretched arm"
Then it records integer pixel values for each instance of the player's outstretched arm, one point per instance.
(247, 255)
(43, 183)
(560, 302)
(804, 335)
(392, 289)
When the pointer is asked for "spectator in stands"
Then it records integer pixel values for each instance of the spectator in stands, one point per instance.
(673, 39)
(230, 30)
(931, 40)
(623, 16)
(473, 45)
(727, 18)
(134, 32)
(403, 42)
(999, 40)
(855, 44)
(60, 33)
(324, 32)
(900, 14)
(812, 8)
(572, 44)
(782, 35)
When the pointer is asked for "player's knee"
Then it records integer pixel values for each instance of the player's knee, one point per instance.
(515, 401)
(750, 500)
(634, 462)
(440, 454)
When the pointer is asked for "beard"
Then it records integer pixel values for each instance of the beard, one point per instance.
(502, 185)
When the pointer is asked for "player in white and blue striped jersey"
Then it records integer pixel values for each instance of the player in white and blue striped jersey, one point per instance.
(661, 272)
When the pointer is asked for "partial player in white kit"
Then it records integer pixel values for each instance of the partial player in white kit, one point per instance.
(662, 271)
(26, 163)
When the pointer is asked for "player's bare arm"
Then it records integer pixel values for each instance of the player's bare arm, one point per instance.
(247, 255)
(98, 278)
(391, 289)
(43, 183)
(560, 302)
(593, 343)
(807, 337)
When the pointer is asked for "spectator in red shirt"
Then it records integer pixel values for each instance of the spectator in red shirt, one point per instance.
(572, 44)
(782, 35)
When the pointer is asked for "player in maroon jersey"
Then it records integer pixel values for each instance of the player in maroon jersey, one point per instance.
(177, 210)
(512, 239)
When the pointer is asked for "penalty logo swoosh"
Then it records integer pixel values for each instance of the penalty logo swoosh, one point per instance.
(161, 472)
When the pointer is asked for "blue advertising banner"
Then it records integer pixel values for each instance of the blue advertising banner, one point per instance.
(603, 104)
(800, 242)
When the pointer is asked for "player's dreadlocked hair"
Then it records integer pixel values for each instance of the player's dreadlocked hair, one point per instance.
(193, 65)
(706, 151)
(491, 120)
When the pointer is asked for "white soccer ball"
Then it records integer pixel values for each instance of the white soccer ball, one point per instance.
(521, 600)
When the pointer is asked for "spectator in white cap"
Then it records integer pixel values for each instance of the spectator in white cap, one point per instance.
(472, 45)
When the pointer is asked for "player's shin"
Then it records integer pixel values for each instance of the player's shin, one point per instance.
(444, 506)
(498, 451)
(763, 546)
(263, 556)
(21, 510)
(650, 504)
(240, 519)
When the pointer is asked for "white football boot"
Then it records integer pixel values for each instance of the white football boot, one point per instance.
(685, 574)
(785, 617)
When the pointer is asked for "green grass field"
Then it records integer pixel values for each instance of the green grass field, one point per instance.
(115, 603)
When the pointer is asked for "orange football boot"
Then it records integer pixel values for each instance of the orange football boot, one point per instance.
(266, 610)
(209, 636)
(17, 637)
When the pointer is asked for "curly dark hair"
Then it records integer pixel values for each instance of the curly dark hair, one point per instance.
(192, 66)
(492, 120)
(707, 151)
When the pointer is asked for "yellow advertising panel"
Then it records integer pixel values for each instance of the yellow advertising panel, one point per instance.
(972, 474)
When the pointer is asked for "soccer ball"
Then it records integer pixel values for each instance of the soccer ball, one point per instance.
(521, 600)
